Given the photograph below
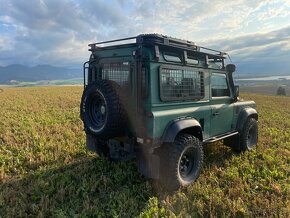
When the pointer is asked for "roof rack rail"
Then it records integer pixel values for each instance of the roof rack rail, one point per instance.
(162, 40)
(94, 45)
(116, 40)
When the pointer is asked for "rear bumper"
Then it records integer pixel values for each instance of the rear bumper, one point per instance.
(148, 159)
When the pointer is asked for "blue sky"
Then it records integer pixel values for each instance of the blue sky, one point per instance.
(56, 32)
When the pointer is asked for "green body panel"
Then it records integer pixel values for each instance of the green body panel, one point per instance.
(164, 115)
(223, 122)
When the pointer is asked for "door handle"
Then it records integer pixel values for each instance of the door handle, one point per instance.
(215, 113)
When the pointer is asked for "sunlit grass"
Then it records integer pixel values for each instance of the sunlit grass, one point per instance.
(45, 169)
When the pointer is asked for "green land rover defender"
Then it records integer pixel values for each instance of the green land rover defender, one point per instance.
(158, 100)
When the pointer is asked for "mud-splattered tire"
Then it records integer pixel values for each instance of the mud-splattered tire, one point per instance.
(181, 162)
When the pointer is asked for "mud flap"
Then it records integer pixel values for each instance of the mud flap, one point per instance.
(91, 142)
(148, 162)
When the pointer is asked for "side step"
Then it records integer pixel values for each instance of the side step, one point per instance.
(219, 137)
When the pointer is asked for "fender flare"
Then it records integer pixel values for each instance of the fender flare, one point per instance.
(244, 115)
(178, 125)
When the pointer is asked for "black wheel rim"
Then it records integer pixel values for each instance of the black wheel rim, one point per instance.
(252, 137)
(98, 111)
(187, 165)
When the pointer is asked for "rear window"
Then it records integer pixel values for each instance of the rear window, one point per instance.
(180, 83)
(118, 72)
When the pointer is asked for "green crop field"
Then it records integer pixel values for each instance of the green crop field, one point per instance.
(45, 169)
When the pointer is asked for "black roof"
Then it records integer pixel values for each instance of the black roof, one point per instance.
(158, 39)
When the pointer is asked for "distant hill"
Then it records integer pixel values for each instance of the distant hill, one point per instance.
(16, 73)
(21, 73)
(249, 69)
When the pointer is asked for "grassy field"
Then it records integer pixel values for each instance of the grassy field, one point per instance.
(264, 89)
(69, 82)
(45, 169)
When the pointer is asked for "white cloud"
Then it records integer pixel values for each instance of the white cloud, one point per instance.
(57, 32)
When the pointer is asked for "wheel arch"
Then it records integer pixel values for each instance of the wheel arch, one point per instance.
(182, 125)
(244, 115)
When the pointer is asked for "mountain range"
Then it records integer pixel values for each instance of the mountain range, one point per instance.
(22, 73)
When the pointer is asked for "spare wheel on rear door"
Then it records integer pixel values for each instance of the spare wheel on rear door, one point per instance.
(102, 110)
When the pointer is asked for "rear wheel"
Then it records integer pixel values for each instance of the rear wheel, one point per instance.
(181, 163)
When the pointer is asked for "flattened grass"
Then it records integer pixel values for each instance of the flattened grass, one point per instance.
(45, 169)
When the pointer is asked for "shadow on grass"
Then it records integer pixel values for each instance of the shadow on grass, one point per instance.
(216, 154)
(90, 187)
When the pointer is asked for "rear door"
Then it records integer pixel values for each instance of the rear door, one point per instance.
(221, 103)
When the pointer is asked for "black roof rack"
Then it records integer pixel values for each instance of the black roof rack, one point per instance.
(163, 40)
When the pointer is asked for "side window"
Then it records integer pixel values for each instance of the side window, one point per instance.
(172, 57)
(215, 63)
(181, 84)
(219, 85)
(192, 60)
(118, 72)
